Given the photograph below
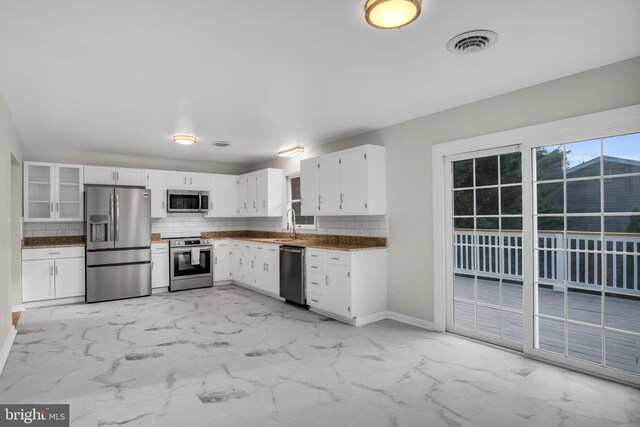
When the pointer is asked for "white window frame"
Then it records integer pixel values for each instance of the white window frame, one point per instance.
(289, 201)
(613, 122)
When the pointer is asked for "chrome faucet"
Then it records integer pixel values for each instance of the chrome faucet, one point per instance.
(293, 223)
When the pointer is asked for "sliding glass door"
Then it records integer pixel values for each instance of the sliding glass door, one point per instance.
(486, 296)
(587, 251)
(554, 273)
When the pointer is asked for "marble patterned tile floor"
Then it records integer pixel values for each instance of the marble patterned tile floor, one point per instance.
(230, 357)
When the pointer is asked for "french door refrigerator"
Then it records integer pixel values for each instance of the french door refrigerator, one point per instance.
(118, 234)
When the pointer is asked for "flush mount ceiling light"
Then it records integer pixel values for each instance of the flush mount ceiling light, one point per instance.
(184, 139)
(388, 14)
(291, 152)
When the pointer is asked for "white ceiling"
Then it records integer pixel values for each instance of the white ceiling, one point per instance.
(123, 76)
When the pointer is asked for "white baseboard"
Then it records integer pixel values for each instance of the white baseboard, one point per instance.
(351, 322)
(51, 302)
(17, 307)
(410, 320)
(260, 291)
(6, 347)
(365, 320)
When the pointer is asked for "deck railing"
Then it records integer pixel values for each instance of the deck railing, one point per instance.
(579, 256)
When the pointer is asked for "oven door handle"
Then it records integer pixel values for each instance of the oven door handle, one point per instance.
(188, 249)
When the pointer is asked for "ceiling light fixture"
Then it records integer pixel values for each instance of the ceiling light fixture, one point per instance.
(291, 152)
(388, 14)
(184, 139)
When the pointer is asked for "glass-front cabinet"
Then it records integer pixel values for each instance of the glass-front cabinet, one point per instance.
(53, 192)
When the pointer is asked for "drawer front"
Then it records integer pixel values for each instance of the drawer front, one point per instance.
(52, 253)
(317, 301)
(337, 258)
(315, 256)
(315, 267)
(159, 248)
(317, 284)
(221, 244)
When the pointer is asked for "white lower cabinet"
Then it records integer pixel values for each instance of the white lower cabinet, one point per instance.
(256, 265)
(52, 273)
(348, 285)
(221, 261)
(38, 282)
(159, 265)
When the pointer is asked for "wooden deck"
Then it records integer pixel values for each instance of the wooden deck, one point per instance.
(585, 342)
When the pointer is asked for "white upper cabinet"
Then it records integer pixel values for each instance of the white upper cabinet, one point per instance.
(242, 195)
(349, 182)
(261, 193)
(187, 180)
(309, 192)
(177, 180)
(252, 194)
(223, 196)
(353, 180)
(199, 181)
(69, 193)
(133, 177)
(53, 192)
(328, 184)
(114, 176)
(157, 183)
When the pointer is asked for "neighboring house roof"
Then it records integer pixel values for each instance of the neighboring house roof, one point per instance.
(607, 159)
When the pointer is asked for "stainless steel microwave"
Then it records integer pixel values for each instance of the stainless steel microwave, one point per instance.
(187, 201)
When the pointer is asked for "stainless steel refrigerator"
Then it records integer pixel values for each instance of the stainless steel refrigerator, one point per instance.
(118, 233)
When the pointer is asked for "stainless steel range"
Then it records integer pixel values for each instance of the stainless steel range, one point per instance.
(191, 263)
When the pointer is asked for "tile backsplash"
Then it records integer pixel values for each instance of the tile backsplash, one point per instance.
(178, 225)
(46, 229)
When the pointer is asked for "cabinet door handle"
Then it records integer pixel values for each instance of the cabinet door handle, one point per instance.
(264, 203)
(185, 180)
(113, 176)
(341, 198)
(54, 253)
(190, 181)
(51, 206)
(326, 280)
(57, 206)
(163, 204)
(56, 269)
(314, 300)
(215, 260)
(336, 259)
(51, 270)
(117, 176)
(315, 283)
(211, 204)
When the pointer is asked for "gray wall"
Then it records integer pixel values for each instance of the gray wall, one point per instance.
(57, 155)
(10, 147)
(410, 206)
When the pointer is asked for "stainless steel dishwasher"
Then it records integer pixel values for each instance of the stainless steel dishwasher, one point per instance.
(292, 276)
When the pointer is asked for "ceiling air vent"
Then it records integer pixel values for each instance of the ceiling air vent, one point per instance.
(471, 42)
(221, 143)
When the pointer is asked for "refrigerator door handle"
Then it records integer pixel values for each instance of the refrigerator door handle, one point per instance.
(111, 218)
(117, 219)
